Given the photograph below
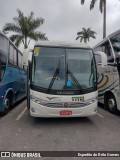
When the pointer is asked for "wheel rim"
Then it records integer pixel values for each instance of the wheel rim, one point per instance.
(111, 103)
(7, 104)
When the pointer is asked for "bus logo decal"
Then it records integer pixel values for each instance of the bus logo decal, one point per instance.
(66, 105)
(51, 98)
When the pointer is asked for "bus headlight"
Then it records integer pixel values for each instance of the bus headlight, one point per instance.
(91, 101)
(36, 100)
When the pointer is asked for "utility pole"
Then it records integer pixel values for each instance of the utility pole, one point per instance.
(104, 20)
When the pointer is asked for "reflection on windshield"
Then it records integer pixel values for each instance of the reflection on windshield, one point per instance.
(45, 66)
(70, 83)
(81, 64)
(63, 69)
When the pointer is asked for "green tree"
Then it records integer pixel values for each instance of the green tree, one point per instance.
(102, 7)
(85, 35)
(25, 29)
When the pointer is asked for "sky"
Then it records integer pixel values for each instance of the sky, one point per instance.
(64, 18)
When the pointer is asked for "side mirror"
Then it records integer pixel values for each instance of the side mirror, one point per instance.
(103, 58)
(27, 55)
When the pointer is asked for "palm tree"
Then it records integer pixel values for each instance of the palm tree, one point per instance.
(102, 6)
(25, 29)
(85, 35)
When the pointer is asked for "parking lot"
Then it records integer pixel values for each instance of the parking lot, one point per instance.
(21, 132)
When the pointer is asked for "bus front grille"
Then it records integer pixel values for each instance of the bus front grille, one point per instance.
(61, 104)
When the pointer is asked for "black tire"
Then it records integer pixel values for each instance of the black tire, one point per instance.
(111, 104)
(7, 105)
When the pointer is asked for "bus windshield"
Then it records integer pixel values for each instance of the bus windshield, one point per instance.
(63, 68)
(3, 55)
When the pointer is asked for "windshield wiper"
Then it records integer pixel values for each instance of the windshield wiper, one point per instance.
(55, 76)
(74, 79)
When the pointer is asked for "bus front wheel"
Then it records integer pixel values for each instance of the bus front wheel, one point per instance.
(111, 103)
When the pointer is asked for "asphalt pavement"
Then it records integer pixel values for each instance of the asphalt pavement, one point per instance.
(21, 132)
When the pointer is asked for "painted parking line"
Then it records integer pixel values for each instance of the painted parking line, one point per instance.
(21, 114)
(100, 115)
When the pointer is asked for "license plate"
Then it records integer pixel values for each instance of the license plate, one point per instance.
(65, 113)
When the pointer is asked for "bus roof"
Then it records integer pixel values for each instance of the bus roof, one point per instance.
(109, 36)
(62, 44)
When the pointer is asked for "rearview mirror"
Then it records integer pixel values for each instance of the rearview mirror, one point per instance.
(27, 56)
(103, 58)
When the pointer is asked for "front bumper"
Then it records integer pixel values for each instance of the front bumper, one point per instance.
(37, 110)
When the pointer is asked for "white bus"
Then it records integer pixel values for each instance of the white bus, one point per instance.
(109, 78)
(62, 80)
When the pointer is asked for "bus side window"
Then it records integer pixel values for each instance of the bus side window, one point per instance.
(108, 51)
(11, 54)
(15, 57)
(19, 60)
